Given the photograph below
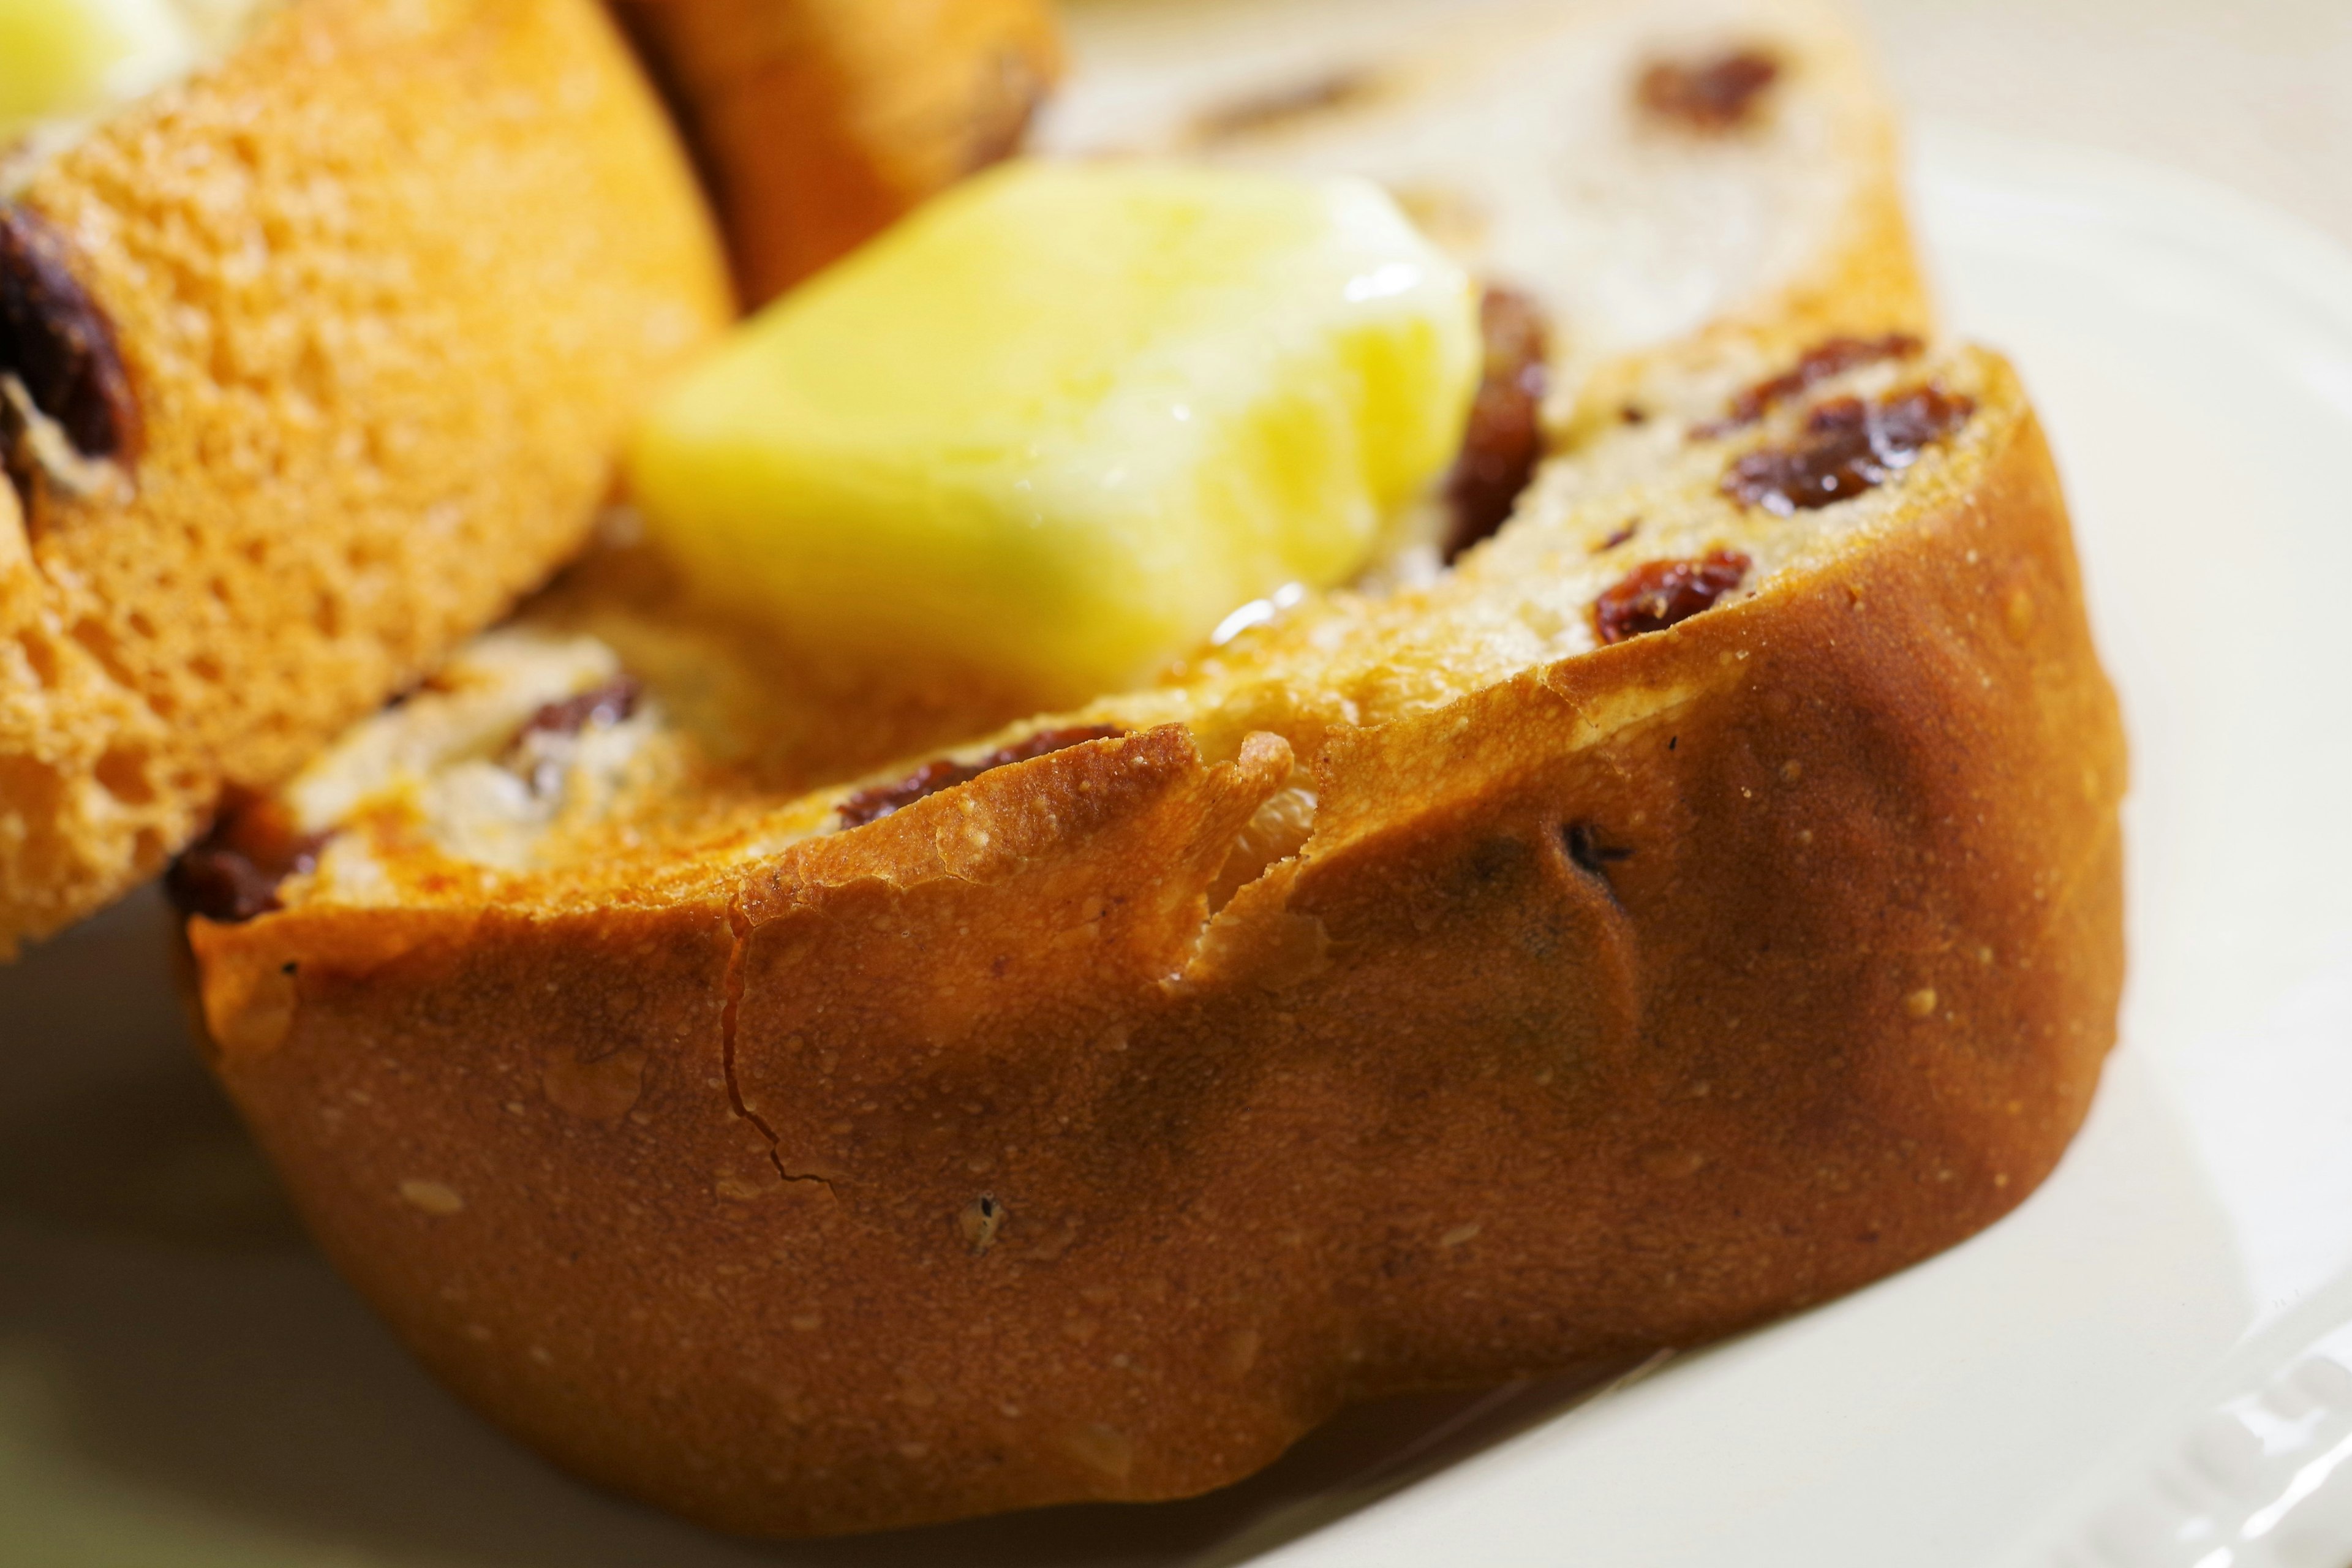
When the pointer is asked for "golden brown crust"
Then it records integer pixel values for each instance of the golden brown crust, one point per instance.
(953, 1164)
(385, 285)
(822, 121)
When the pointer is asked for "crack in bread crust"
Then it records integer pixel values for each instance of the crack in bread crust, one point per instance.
(733, 984)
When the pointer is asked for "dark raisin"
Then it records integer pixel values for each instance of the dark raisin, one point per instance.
(880, 800)
(1618, 536)
(1661, 594)
(1819, 364)
(1846, 449)
(233, 873)
(1906, 423)
(55, 340)
(606, 704)
(1504, 441)
(1710, 96)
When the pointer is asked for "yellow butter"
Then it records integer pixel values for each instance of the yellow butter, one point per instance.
(1057, 425)
(65, 58)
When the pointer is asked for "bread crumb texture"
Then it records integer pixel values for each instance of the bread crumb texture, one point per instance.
(385, 285)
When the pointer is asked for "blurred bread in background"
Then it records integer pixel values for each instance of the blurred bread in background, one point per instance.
(818, 121)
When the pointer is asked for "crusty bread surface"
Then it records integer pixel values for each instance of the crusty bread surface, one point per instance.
(353, 319)
(1449, 979)
(967, 1160)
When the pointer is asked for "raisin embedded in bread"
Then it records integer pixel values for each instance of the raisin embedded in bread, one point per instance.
(313, 363)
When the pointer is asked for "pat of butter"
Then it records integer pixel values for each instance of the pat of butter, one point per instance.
(66, 58)
(1057, 425)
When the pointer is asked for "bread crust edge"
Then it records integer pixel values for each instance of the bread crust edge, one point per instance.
(943, 1169)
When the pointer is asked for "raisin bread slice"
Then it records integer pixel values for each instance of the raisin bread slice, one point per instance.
(310, 363)
(816, 1113)
(1701, 900)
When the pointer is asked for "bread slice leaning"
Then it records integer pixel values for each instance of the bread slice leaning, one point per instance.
(812, 1114)
(819, 121)
(318, 361)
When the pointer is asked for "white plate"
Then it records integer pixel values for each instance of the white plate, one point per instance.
(2134, 1371)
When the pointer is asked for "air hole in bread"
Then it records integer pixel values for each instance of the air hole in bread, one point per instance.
(122, 773)
(979, 1222)
(1590, 850)
(99, 641)
(42, 657)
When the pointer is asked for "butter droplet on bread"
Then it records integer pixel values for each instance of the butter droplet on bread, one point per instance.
(434, 1197)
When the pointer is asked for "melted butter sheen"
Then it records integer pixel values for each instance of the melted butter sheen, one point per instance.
(1055, 426)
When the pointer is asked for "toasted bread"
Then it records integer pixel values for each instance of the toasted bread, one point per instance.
(320, 357)
(814, 1114)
